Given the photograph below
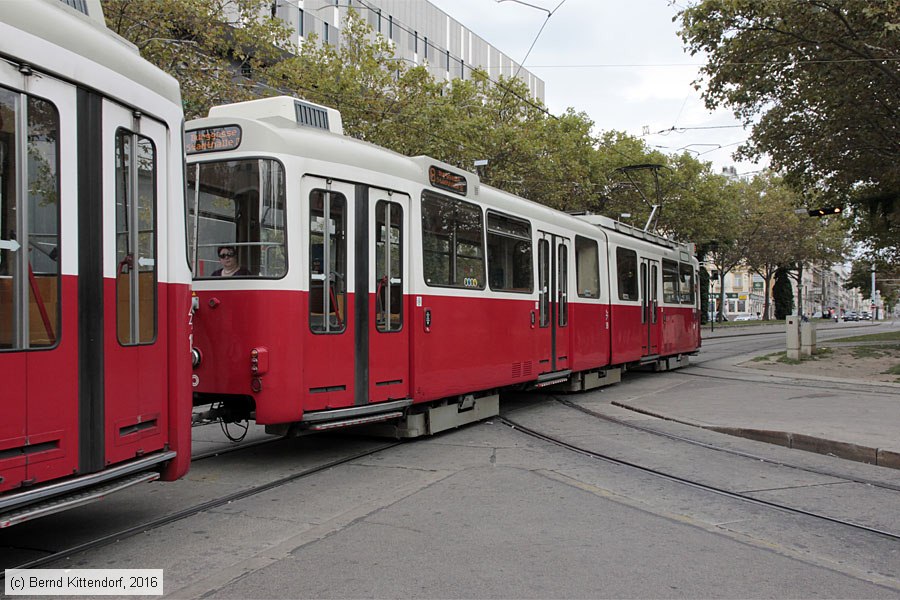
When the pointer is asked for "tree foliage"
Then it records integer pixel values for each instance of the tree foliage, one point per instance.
(219, 50)
(224, 51)
(819, 81)
(782, 295)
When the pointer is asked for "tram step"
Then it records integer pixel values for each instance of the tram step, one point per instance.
(84, 496)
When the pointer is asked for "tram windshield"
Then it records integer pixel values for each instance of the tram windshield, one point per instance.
(235, 212)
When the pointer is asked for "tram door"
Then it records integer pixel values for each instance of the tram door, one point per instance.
(553, 301)
(134, 407)
(388, 343)
(649, 306)
(38, 261)
(329, 368)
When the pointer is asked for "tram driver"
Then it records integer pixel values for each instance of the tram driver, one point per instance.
(230, 265)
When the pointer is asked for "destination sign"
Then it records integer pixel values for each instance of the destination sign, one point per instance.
(212, 139)
(444, 179)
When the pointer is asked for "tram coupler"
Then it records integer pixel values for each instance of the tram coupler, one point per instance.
(232, 411)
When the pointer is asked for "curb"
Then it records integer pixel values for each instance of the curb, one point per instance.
(795, 441)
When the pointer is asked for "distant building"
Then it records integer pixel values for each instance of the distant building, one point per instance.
(422, 34)
(821, 292)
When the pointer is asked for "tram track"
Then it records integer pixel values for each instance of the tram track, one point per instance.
(730, 451)
(506, 421)
(198, 508)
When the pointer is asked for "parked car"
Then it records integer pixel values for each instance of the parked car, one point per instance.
(851, 316)
(865, 316)
(745, 318)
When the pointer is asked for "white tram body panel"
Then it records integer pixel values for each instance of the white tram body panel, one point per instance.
(365, 284)
(94, 279)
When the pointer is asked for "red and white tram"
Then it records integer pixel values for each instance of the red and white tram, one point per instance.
(94, 279)
(362, 285)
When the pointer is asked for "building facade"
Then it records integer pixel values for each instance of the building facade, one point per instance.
(821, 292)
(421, 33)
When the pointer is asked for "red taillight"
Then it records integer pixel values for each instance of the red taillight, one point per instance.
(259, 361)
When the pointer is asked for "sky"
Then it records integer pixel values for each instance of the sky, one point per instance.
(621, 62)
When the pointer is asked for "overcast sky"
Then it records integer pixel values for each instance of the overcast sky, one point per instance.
(619, 61)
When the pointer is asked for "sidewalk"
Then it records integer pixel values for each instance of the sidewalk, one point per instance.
(849, 418)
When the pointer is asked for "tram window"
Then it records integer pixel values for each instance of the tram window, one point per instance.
(562, 285)
(452, 242)
(544, 281)
(240, 204)
(388, 266)
(626, 273)
(670, 281)
(327, 262)
(587, 267)
(509, 254)
(136, 275)
(686, 285)
(29, 222)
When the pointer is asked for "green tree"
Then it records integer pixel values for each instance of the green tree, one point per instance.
(774, 223)
(887, 279)
(219, 50)
(782, 295)
(819, 82)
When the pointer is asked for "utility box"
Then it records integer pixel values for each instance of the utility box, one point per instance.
(792, 329)
(807, 338)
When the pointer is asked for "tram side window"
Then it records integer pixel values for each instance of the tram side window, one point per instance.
(389, 266)
(136, 276)
(687, 283)
(452, 242)
(238, 205)
(626, 274)
(670, 281)
(327, 262)
(587, 267)
(29, 222)
(509, 254)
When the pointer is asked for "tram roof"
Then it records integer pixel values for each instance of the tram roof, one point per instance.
(268, 126)
(86, 36)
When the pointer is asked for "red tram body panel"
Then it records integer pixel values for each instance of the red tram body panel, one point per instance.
(94, 281)
(340, 283)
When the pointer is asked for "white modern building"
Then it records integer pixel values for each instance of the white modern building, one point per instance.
(422, 34)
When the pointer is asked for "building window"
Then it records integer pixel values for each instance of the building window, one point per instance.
(300, 30)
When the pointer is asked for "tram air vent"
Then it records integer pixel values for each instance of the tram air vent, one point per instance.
(521, 369)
